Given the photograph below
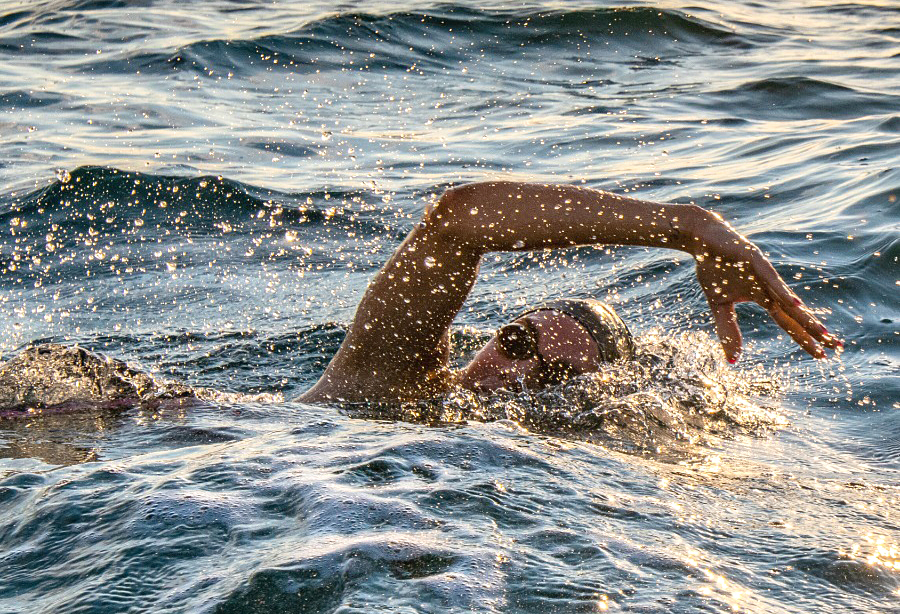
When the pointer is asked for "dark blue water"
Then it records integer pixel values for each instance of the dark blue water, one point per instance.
(203, 189)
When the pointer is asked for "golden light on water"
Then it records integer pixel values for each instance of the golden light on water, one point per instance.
(877, 552)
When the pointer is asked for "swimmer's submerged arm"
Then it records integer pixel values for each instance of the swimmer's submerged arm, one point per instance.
(397, 345)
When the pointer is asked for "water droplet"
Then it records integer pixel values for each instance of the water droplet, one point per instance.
(474, 210)
(519, 244)
(63, 175)
(430, 262)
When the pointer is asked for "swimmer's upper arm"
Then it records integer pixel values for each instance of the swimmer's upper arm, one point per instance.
(398, 344)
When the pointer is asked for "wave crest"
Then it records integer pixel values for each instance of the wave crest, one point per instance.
(438, 38)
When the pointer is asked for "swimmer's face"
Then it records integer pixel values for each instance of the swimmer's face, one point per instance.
(558, 347)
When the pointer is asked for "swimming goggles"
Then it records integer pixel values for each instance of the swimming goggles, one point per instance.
(519, 341)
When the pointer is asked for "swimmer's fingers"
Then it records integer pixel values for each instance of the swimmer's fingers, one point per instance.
(810, 324)
(797, 332)
(727, 328)
(789, 306)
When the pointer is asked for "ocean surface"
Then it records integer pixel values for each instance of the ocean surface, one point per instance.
(203, 189)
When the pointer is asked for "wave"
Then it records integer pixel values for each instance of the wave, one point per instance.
(200, 203)
(796, 98)
(94, 214)
(88, 191)
(21, 99)
(49, 378)
(432, 41)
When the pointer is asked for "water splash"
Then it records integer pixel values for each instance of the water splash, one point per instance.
(58, 378)
(676, 393)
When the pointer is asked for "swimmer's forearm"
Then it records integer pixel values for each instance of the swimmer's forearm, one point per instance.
(511, 216)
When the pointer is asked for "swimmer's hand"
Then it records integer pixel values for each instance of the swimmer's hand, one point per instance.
(731, 269)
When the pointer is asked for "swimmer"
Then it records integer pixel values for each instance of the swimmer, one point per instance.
(398, 346)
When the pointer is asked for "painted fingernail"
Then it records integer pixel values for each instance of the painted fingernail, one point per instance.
(798, 302)
(731, 361)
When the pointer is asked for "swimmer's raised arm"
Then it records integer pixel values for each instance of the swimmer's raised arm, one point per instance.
(504, 216)
(398, 344)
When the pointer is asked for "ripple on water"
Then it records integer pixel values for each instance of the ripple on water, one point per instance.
(765, 99)
(354, 572)
(847, 572)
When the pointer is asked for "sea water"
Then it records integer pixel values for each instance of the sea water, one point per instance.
(204, 189)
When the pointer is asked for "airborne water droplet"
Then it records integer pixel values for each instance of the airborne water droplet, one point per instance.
(519, 244)
(430, 262)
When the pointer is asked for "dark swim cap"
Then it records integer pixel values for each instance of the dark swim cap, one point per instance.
(613, 339)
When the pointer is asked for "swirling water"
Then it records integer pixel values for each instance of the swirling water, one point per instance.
(204, 189)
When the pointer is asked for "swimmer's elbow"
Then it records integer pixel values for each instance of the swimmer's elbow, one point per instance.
(452, 215)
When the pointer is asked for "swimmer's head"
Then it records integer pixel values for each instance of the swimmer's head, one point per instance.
(548, 344)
